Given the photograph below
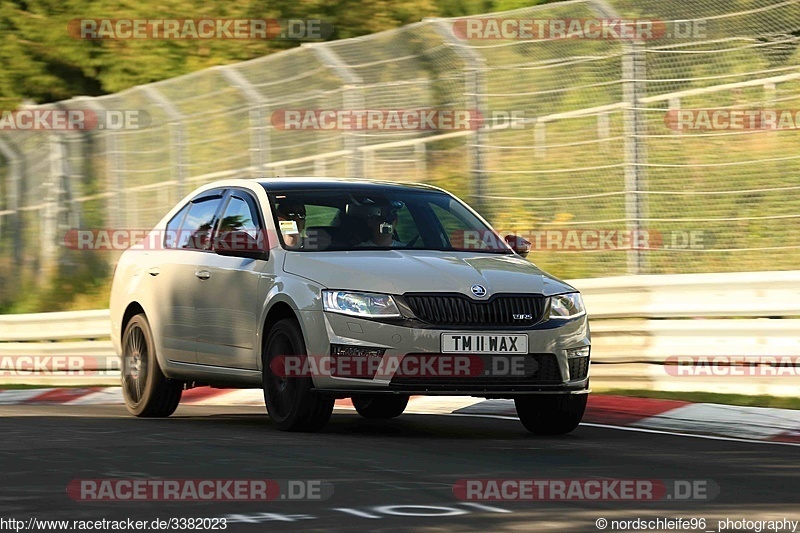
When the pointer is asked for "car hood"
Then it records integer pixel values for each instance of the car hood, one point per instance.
(399, 272)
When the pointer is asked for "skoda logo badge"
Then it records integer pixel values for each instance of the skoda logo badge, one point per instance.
(479, 291)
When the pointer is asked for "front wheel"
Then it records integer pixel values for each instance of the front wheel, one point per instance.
(291, 403)
(380, 406)
(551, 415)
(147, 392)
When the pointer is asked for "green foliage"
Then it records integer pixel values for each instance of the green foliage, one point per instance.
(528, 189)
(43, 63)
(81, 282)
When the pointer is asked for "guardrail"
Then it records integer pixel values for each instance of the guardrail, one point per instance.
(640, 325)
(66, 348)
(738, 294)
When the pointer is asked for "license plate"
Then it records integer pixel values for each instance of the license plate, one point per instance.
(482, 343)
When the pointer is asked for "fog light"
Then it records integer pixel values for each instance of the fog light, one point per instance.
(356, 351)
(583, 351)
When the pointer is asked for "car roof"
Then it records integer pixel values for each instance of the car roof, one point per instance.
(296, 184)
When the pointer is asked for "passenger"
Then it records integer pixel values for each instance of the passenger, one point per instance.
(292, 222)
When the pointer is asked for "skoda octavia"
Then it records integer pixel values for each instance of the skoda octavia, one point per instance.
(318, 289)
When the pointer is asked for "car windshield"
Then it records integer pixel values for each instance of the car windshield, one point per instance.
(360, 219)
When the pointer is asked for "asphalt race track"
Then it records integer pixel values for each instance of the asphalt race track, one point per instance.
(386, 475)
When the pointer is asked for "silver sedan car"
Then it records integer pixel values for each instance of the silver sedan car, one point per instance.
(318, 289)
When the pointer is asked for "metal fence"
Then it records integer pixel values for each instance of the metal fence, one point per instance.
(595, 151)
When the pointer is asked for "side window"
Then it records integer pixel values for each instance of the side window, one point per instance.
(196, 229)
(171, 237)
(238, 216)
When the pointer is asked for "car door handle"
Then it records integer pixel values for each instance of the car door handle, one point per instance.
(203, 274)
(154, 271)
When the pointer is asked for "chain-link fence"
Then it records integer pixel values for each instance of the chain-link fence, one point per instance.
(593, 148)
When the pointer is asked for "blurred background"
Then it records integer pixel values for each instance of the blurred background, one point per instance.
(596, 151)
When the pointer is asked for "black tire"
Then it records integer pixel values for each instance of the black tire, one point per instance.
(551, 415)
(291, 402)
(147, 392)
(380, 405)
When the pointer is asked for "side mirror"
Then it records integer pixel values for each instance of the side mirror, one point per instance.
(519, 245)
(238, 244)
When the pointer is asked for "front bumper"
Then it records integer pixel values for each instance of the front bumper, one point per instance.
(548, 343)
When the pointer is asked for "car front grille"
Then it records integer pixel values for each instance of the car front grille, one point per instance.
(578, 368)
(539, 369)
(459, 310)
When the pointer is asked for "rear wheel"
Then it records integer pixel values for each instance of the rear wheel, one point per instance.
(291, 403)
(379, 405)
(147, 392)
(551, 415)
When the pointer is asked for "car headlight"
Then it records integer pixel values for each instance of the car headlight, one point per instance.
(363, 304)
(566, 306)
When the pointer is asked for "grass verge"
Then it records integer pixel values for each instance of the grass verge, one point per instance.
(779, 402)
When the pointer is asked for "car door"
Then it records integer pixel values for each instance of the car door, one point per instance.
(228, 301)
(174, 275)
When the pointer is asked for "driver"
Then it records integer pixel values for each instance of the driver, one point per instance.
(382, 225)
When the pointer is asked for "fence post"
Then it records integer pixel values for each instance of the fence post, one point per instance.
(177, 137)
(117, 216)
(352, 100)
(633, 79)
(52, 206)
(770, 89)
(603, 130)
(116, 213)
(635, 149)
(70, 173)
(421, 161)
(259, 132)
(13, 194)
(474, 91)
(540, 139)
(368, 163)
(320, 167)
